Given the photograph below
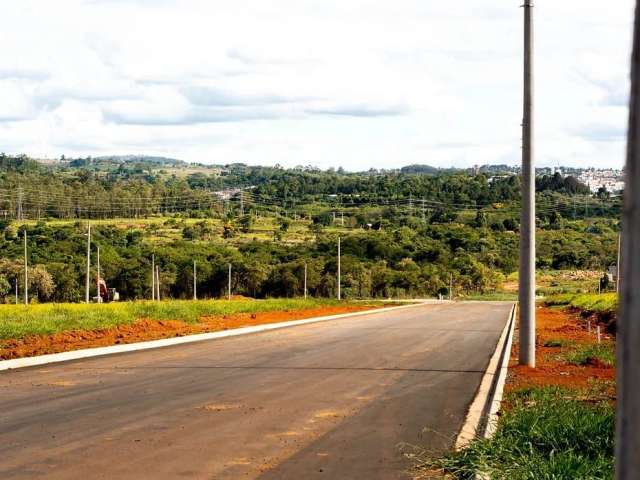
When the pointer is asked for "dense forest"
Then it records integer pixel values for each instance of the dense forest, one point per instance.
(403, 233)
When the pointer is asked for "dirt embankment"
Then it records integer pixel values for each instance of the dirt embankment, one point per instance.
(558, 331)
(607, 319)
(144, 330)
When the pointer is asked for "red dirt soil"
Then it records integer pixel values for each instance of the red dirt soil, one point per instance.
(550, 370)
(144, 330)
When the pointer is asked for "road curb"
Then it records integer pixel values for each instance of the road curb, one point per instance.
(168, 342)
(482, 417)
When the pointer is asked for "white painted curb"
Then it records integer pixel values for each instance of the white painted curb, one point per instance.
(167, 342)
(482, 417)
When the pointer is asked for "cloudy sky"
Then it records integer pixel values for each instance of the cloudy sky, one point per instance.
(351, 83)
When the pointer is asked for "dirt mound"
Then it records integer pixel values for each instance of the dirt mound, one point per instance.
(144, 329)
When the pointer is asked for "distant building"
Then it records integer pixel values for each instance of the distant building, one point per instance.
(612, 180)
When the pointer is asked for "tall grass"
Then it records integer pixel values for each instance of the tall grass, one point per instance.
(548, 433)
(603, 352)
(588, 302)
(18, 321)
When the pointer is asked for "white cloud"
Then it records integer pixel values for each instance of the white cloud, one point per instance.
(357, 83)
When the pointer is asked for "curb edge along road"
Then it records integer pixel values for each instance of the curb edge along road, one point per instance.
(167, 342)
(482, 417)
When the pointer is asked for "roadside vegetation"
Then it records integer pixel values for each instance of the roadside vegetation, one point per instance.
(557, 421)
(603, 354)
(588, 303)
(544, 433)
(18, 321)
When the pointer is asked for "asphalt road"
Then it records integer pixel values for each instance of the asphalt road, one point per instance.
(333, 400)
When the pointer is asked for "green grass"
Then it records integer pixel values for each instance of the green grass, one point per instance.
(588, 302)
(547, 433)
(604, 352)
(557, 342)
(18, 321)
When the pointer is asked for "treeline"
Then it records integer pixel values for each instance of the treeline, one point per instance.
(34, 191)
(397, 260)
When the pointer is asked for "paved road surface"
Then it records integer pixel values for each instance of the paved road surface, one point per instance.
(330, 400)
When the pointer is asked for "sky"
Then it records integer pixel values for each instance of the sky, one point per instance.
(357, 84)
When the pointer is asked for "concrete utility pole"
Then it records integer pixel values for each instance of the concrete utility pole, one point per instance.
(26, 270)
(527, 292)
(158, 282)
(195, 281)
(628, 335)
(87, 284)
(450, 286)
(229, 286)
(339, 271)
(153, 278)
(98, 296)
(19, 213)
(305, 280)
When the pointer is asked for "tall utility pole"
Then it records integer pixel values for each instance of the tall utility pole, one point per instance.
(26, 270)
(528, 222)
(586, 206)
(153, 277)
(229, 286)
(19, 213)
(158, 282)
(305, 280)
(628, 355)
(87, 280)
(195, 281)
(98, 296)
(339, 270)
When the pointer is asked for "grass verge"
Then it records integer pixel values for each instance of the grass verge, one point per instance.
(544, 433)
(19, 321)
(606, 303)
(604, 353)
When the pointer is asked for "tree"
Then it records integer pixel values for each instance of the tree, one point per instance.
(481, 219)
(603, 193)
(5, 287)
(228, 230)
(246, 223)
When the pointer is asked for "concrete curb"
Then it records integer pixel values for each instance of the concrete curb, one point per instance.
(482, 416)
(135, 347)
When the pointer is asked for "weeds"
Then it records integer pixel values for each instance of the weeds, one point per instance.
(604, 353)
(606, 303)
(18, 321)
(545, 433)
